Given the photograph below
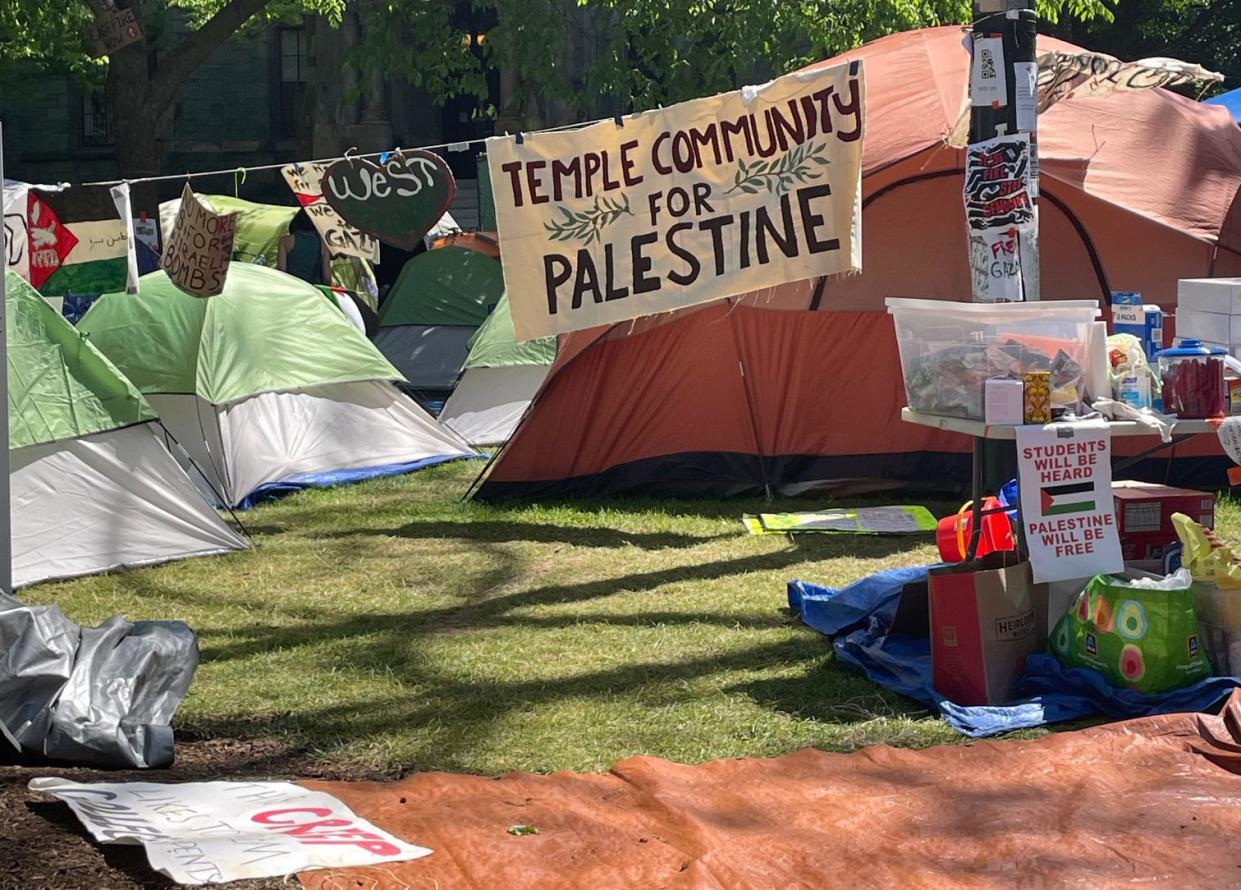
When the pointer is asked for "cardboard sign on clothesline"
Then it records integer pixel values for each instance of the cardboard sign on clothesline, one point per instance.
(199, 248)
(682, 205)
(397, 201)
(1065, 482)
(341, 238)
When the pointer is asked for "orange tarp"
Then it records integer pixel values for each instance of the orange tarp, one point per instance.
(1154, 802)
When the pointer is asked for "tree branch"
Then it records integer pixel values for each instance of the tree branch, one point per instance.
(176, 67)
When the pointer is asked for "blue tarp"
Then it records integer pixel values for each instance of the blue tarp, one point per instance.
(270, 491)
(858, 618)
(1231, 101)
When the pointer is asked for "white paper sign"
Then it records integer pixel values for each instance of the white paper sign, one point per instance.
(1065, 478)
(213, 832)
(1026, 95)
(988, 83)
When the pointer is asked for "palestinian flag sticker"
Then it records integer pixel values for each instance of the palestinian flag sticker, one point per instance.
(1058, 500)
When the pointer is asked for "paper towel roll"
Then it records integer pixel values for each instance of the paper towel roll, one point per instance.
(1098, 380)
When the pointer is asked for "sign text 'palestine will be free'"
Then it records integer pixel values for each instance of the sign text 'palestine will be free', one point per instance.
(682, 205)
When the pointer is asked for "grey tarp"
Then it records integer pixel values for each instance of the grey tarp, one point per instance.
(102, 696)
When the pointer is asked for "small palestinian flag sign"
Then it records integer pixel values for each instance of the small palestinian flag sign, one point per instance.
(79, 244)
(1056, 500)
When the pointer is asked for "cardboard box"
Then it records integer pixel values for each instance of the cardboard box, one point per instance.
(1221, 295)
(986, 617)
(1144, 517)
(1211, 327)
(1143, 322)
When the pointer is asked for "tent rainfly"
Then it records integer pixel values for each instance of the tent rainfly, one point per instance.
(800, 387)
(93, 487)
(437, 303)
(500, 378)
(268, 385)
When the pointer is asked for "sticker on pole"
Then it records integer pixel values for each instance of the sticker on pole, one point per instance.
(1065, 482)
(214, 832)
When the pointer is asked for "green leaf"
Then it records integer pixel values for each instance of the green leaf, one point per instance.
(522, 830)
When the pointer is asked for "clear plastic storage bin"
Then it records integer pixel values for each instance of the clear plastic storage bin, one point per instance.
(950, 350)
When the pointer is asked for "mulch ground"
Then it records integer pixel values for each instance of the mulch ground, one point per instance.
(42, 844)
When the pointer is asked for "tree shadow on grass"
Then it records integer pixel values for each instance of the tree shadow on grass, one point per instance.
(501, 531)
(829, 692)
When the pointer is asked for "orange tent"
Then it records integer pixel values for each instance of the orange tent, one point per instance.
(801, 386)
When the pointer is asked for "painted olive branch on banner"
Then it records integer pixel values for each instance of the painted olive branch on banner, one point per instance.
(587, 225)
(779, 176)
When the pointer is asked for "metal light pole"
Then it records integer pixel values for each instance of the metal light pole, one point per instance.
(1004, 31)
(6, 519)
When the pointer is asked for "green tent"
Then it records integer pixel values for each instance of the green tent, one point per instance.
(495, 344)
(266, 332)
(259, 227)
(500, 379)
(268, 385)
(93, 486)
(60, 386)
(436, 304)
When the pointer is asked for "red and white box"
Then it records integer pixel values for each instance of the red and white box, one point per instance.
(1144, 518)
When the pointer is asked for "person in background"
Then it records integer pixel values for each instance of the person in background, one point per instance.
(303, 253)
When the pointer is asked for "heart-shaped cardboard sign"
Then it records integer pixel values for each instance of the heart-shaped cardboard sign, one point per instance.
(397, 202)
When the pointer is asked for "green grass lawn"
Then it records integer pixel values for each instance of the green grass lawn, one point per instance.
(388, 627)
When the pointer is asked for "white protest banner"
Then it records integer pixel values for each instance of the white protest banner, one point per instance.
(1065, 480)
(214, 832)
(199, 248)
(1229, 431)
(342, 239)
(682, 205)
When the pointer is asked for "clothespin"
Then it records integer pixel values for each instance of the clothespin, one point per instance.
(520, 137)
(383, 157)
(620, 121)
(349, 155)
(242, 171)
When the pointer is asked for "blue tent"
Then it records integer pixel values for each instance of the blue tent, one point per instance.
(1231, 101)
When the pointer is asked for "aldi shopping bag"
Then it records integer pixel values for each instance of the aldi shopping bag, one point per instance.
(986, 617)
(1139, 634)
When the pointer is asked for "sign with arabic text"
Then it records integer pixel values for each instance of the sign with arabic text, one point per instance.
(682, 205)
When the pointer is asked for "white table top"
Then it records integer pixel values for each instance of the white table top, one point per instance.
(981, 430)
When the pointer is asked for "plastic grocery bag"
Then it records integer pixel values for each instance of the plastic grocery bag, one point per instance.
(1138, 634)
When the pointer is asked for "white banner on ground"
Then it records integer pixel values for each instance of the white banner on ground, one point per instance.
(213, 832)
(1065, 480)
(682, 205)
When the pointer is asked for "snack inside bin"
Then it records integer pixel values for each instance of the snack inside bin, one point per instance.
(950, 350)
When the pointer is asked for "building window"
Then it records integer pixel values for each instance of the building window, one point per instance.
(97, 127)
(291, 46)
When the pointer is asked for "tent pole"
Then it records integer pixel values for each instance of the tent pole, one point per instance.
(6, 534)
(749, 403)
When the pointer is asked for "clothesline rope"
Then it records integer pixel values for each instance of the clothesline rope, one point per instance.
(232, 171)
